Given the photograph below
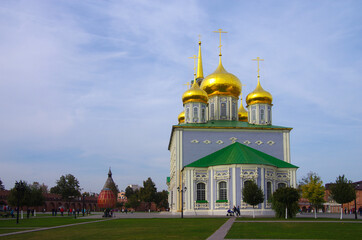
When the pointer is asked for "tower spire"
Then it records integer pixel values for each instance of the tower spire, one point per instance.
(200, 71)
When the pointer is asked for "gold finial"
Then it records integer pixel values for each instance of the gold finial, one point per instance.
(200, 71)
(258, 59)
(188, 85)
(194, 57)
(220, 31)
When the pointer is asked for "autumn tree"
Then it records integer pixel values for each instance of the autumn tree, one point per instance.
(342, 191)
(252, 194)
(312, 189)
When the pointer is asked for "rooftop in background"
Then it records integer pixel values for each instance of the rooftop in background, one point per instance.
(357, 184)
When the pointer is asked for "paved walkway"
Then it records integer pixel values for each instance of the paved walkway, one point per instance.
(223, 230)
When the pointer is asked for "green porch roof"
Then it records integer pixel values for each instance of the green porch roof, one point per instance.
(238, 153)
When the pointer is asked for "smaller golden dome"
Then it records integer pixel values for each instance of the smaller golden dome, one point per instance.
(259, 95)
(195, 94)
(221, 82)
(242, 113)
(181, 117)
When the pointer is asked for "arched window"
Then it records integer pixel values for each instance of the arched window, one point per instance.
(203, 115)
(262, 114)
(253, 112)
(269, 114)
(212, 107)
(247, 182)
(200, 191)
(268, 190)
(223, 110)
(187, 114)
(196, 114)
(234, 110)
(281, 185)
(222, 191)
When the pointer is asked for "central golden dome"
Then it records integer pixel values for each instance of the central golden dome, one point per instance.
(259, 95)
(195, 94)
(242, 113)
(221, 82)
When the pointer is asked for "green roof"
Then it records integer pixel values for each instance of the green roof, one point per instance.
(229, 124)
(238, 153)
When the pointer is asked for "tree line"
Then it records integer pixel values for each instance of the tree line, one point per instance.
(285, 200)
(148, 194)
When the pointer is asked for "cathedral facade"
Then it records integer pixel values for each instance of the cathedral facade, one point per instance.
(217, 147)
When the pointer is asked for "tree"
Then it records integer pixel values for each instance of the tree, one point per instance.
(313, 190)
(148, 191)
(1, 186)
(285, 200)
(31, 197)
(36, 195)
(342, 191)
(129, 192)
(133, 201)
(67, 186)
(23, 197)
(161, 199)
(252, 194)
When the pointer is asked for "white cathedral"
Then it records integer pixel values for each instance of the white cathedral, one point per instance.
(216, 148)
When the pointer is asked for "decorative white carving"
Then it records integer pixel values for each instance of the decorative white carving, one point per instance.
(282, 176)
(233, 139)
(247, 142)
(201, 205)
(249, 174)
(259, 142)
(201, 175)
(195, 141)
(270, 142)
(219, 142)
(207, 141)
(222, 205)
(222, 174)
(223, 99)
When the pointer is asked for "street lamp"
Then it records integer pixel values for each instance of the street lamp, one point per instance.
(355, 200)
(182, 199)
(20, 188)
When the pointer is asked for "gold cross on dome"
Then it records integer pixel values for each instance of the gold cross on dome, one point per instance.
(258, 59)
(188, 85)
(194, 57)
(220, 31)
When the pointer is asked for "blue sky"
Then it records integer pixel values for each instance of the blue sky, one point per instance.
(85, 85)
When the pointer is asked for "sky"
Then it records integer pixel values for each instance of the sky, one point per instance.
(88, 85)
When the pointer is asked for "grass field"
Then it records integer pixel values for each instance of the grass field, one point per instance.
(295, 230)
(156, 228)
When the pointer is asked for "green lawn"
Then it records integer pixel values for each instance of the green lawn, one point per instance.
(156, 228)
(315, 230)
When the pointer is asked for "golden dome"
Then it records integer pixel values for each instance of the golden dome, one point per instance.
(181, 117)
(195, 94)
(242, 113)
(221, 82)
(259, 95)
